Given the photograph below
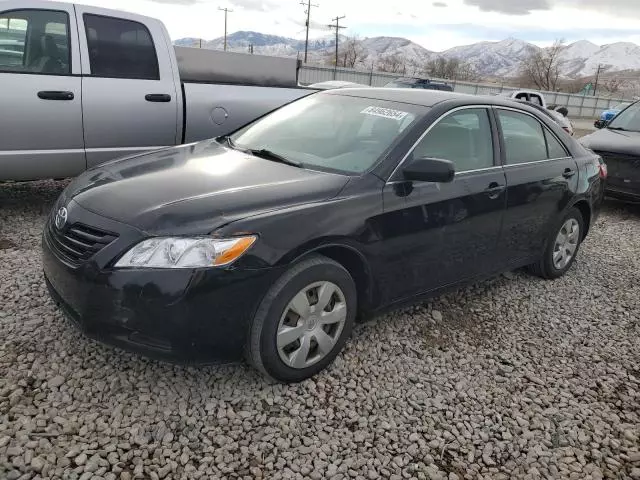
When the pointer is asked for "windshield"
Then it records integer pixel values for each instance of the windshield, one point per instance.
(628, 119)
(330, 132)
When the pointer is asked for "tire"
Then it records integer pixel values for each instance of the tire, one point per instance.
(547, 267)
(313, 278)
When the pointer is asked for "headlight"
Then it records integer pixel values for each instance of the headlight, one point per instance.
(179, 252)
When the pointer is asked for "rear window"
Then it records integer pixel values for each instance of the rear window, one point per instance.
(120, 48)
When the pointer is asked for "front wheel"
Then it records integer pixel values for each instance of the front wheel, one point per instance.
(562, 247)
(303, 321)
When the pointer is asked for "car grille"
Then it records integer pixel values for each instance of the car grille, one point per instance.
(77, 243)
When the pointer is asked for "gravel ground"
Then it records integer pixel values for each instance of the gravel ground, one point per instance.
(512, 378)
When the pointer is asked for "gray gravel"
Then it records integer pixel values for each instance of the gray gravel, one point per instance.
(512, 378)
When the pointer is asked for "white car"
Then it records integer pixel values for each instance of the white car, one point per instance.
(330, 84)
(561, 114)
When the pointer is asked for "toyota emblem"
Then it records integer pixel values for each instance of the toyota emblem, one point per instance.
(61, 218)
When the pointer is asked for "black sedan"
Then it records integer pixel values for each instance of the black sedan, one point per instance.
(272, 241)
(619, 146)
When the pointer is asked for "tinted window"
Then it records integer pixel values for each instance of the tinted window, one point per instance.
(464, 137)
(332, 132)
(35, 41)
(120, 48)
(556, 150)
(524, 139)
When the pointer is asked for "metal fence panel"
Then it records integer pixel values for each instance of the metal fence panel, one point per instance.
(578, 105)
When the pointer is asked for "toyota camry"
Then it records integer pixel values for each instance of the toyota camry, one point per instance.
(270, 243)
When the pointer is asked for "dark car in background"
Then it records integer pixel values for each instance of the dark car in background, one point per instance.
(270, 242)
(423, 83)
(618, 143)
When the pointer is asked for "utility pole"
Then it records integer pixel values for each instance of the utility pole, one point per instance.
(337, 26)
(225, 10)
(308, 12)
(595, 88)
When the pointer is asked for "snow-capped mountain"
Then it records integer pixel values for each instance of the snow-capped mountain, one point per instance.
(490, 59)
(496, 59)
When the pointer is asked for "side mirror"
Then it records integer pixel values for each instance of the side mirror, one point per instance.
(429, 170)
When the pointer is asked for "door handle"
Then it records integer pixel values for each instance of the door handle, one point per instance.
(494, 190)
(568, 173)
(157, 97)
(55, 95)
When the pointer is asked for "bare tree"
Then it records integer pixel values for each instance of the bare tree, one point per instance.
(394, 63)
(542, 67)
(450, 68)
(351, 52)
(614, 84)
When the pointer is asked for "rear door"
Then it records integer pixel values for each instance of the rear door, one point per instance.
(541, 180)
(40, 98)
(130, 100)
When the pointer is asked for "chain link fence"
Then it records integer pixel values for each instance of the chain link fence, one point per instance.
(579, 106)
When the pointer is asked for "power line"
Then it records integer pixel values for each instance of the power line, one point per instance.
(308, 12)
(337, 26)
(225, 10)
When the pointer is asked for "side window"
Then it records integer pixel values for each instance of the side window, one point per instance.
(536, 99)
(35, 41)
(524, 139)
(120, 48)
(464, 137)
(556, 149)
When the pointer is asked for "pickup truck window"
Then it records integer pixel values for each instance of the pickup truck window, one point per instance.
(35, 41)
(120, 48)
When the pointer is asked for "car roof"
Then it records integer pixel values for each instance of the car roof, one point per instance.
(426, 98)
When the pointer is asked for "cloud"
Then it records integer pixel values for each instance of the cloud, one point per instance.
(255, 5)
(510, 7)
(177, 2)
(439, 4)
(618, 7)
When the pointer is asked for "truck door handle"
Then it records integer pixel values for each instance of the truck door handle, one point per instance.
(157, 97)
(55, 95)
(568, 173)
(494, 190)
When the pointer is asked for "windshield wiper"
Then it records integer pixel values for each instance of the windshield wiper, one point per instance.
(269, 155)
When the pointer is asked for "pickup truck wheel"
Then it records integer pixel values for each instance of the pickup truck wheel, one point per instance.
(303, 321)
(562, 247)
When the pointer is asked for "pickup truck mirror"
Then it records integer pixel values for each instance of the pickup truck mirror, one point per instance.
(429, 170)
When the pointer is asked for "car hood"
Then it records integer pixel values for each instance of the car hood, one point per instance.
(616, 141)
(193, 189)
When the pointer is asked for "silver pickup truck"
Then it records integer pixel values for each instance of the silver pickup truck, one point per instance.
(83, 85)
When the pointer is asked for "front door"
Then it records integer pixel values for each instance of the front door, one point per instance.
(443, 233)
(541, 179)
(130, 100)
(40, 98)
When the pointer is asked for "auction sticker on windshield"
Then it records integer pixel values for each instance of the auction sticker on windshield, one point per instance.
(385, 112)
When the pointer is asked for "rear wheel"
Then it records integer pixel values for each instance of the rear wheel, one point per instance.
(303, 321)
(562, 247)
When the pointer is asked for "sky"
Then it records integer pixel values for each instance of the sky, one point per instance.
(435, 24)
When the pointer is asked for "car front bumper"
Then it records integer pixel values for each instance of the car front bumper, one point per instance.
(178, 315)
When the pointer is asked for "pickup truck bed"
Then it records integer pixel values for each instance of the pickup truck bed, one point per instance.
(84, 85)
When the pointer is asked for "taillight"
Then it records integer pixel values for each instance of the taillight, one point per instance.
(602, 168)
